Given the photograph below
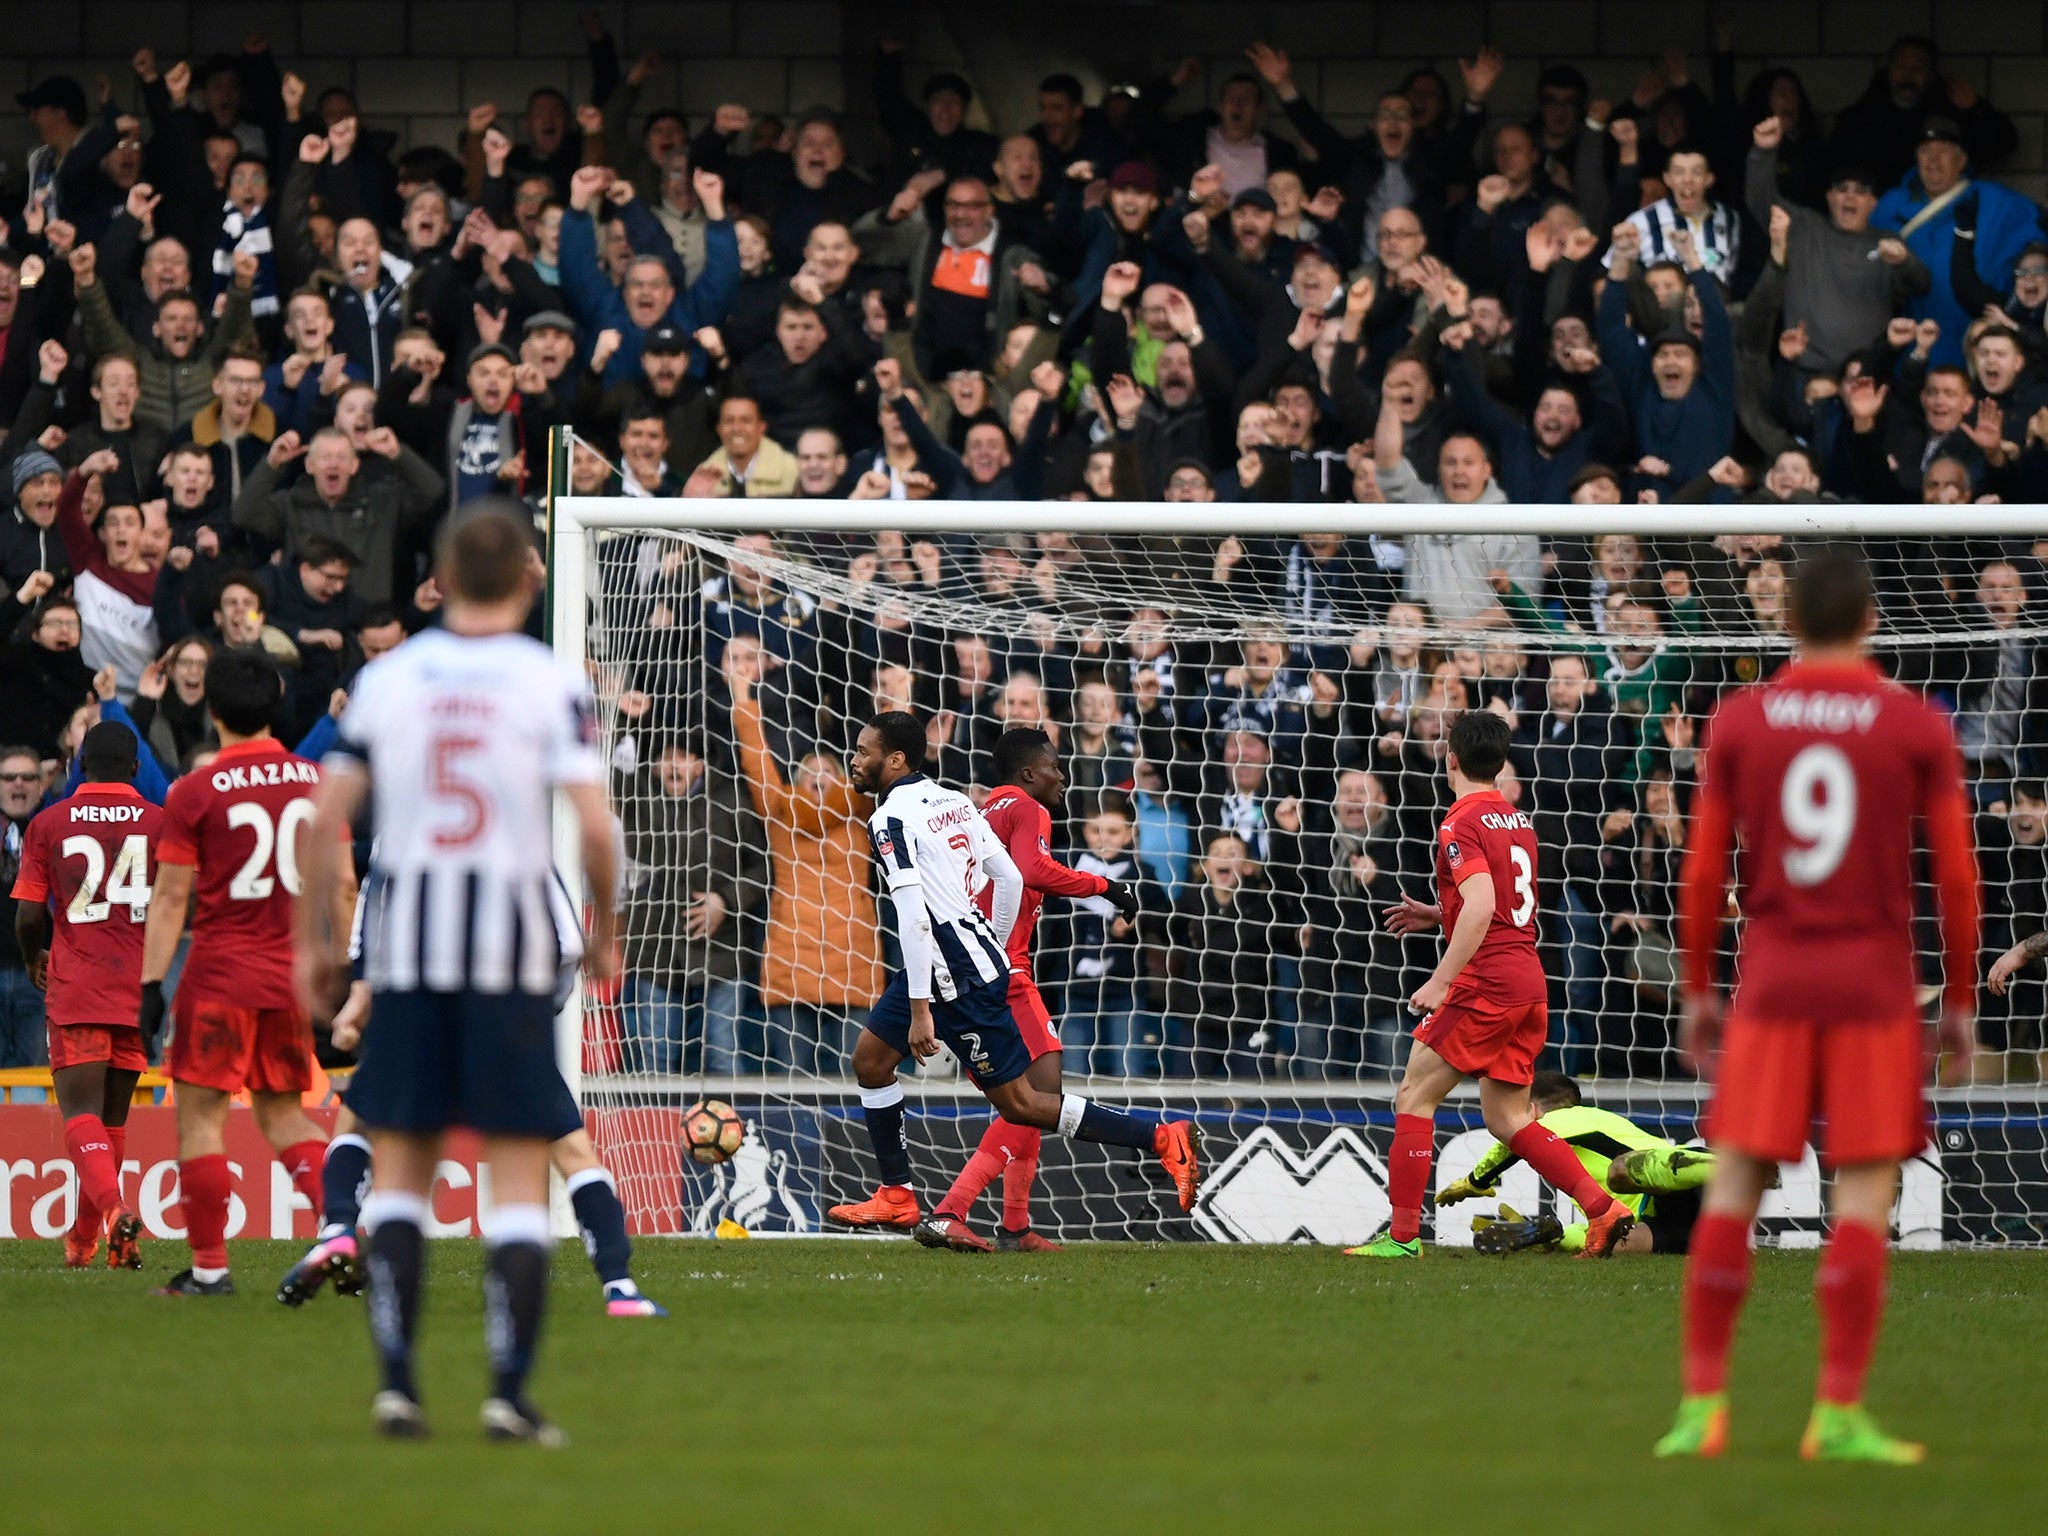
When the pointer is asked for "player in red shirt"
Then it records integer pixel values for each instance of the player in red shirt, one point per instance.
(1824, 772)
(229, 852)
(92, 857)
(1020, 814)
(1486, 1005)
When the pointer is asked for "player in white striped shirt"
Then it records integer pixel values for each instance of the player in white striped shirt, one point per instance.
(936, 853)
(464, 734)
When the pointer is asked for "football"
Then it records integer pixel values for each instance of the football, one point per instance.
(712, 1131)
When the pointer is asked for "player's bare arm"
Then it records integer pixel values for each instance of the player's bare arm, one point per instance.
(32, 932)
(601, 871)
(1473, 920)
(1411, 916)
(321, 944)
(2000, 976)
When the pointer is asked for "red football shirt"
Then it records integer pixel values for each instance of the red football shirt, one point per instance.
(1825, 772)
(1024, 827)
(240, 822)
(1483, 834)
(96, 854)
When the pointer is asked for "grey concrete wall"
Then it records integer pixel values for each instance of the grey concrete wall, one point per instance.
(416, 64)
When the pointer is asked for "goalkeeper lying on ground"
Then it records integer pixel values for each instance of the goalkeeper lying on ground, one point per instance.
(1657, 1179)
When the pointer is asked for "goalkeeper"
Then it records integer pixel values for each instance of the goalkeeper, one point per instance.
(1657, 1179)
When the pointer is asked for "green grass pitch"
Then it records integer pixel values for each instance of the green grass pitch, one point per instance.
(872, 1386)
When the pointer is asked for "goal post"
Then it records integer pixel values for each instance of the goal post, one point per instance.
(1266, 765)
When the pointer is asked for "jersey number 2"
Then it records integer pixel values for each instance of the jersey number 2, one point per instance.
(1817, 803)
(965, 845)
(252, 881)
(127, 886)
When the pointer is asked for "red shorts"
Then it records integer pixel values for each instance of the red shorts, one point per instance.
(220, 1045)
(1775, 1079)
(77, 1045)
(1034, 1023)
(1482, 1038)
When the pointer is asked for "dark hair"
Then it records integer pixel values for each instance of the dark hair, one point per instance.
(1018, 749)
(1563, 77)
(1555, 1085)
(741, 397)
(172, 296)
(243, 687)
(2031, 789)
(1060, 85)
(900, 732)
(792, 305)
(642, 409)
(1479, 738)
(320, 550)
(664, 115)
(1832, 595)
(108, 753)
(481, 556)
(540, 93)
(245, 158)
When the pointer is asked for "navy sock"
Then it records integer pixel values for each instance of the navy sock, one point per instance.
(603, 1219)
(515, 1296)
(397, 1269)
(882, 1109)
(1085, 1120)
(344, 1180)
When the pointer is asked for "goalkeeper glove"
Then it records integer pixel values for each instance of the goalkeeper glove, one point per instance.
(1123, 896)
(1464, 1189)
(151, 1014)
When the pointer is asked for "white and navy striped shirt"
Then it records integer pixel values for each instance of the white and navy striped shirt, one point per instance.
(934, 847)
(465, 739)
(1716, 234)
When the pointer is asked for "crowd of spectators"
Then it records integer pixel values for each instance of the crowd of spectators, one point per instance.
(252, 354)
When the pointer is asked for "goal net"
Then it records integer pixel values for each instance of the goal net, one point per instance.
(1251, 726)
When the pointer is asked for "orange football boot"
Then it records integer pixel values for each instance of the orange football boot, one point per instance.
(893, 1209)
(1604, 1233)
(1179, 1145)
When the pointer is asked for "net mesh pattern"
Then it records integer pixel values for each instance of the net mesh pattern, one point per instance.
(1251, 731)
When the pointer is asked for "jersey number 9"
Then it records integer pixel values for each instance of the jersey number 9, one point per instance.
(1817, 803)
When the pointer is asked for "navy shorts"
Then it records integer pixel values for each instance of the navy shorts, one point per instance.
(431, 1060)
(976, 1026)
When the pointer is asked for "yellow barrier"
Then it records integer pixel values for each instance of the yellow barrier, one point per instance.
(12, 1079)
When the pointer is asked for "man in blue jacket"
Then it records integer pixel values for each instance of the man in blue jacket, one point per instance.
(1925, 210)
(1680, 388)
(648, 297)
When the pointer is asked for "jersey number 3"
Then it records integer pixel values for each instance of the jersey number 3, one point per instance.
(1525, 886)
(1817, 803)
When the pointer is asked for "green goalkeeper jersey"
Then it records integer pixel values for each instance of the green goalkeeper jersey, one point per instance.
(1596, 1137)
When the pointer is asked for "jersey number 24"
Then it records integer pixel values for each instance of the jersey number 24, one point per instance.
(127, 885)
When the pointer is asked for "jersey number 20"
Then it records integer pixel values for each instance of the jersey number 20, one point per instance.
(127, 886)
(1817, 803)
(279, 839)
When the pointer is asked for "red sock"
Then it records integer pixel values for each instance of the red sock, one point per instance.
(92, 1154)
(983, 1166)
(1849, 1290)
(303, 1161)
(1019, 1175)
(1557, 1163)
(1408, 1173)
(117, 1137)
(204, 1184)
(1716, 1283)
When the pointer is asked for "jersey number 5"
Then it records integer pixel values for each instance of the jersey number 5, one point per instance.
(252, 881)
(1525, 886)
(451, 784)
(127, 886)
(1817, 803)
